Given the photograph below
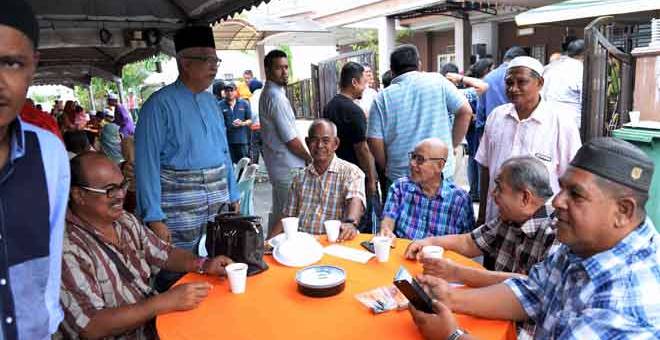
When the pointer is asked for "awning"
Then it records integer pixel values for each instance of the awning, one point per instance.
(582, 9)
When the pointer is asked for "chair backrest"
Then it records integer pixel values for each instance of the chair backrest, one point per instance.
(240, 166)
(249, 173)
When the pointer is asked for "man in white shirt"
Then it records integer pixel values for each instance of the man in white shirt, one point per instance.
(528, 126)
(369, 94)
(563, 80)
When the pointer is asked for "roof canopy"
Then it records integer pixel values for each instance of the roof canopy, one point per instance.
(85, 38)
(570, 10)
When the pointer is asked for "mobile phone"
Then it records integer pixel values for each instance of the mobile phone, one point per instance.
(368, 246)
(415, 294)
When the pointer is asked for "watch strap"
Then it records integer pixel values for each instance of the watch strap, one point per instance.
(456, 334)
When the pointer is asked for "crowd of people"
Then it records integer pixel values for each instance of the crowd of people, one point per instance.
(92, 241)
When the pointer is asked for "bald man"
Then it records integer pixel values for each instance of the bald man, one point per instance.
(425, 204)
(328, 189)
(108, 260)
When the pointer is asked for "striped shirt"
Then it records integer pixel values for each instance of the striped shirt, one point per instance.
(417, 216)
(610, 295)
(315, 198)
(91, 281)
(416, 106)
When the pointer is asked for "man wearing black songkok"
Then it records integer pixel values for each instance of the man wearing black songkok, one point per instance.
(183, 167)
(32, 200)
(601, 283)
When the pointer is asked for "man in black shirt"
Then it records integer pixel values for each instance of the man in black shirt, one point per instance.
(352, 130)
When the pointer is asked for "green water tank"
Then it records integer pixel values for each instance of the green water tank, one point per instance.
(647, 138)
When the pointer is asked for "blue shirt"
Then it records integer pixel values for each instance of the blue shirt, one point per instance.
(178, 130)
(610, 295)
(495, 96)
(417, 216)
(416, 106)
(241, 111)
(34, 258)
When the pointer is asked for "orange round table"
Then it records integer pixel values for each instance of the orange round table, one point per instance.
(273, 309)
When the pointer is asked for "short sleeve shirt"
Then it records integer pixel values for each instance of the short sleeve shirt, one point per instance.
(351, 125)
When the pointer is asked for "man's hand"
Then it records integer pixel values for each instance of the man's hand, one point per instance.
(237, 123)
(442, 268)
(436, 287)
(235, 207)
(216, 265)
(434, 326)
(386, 231)
(414, 250)
(184, 297)
(454, 77)
(347, 231)
(161, 230)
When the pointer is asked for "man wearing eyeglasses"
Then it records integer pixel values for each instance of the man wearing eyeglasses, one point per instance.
(425, 203)
(34, 188)
(183, 167)
(108, 260)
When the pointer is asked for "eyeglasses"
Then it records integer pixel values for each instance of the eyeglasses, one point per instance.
(211, 60)
(111, 191)
(419, 159)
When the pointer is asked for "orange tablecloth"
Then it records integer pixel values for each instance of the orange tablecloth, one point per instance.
(273, 309)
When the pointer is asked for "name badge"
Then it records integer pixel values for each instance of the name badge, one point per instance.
(543, 157)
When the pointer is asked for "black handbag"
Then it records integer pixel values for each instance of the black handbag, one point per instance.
(240, 238)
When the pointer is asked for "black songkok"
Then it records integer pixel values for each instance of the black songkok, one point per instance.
(617, 161)
(193, 36)
(18, 14)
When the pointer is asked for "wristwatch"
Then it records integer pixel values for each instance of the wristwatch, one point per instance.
(456, 334)
(350, 220)
(199, 263)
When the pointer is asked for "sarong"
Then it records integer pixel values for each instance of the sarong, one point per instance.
(190, 198)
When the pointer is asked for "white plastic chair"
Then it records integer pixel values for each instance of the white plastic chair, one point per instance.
(239, 167)
(246, 189)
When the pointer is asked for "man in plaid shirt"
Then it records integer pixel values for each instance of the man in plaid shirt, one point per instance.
(328, 189)
(600, 282)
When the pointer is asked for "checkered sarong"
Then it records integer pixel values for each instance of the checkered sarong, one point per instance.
(189, 199)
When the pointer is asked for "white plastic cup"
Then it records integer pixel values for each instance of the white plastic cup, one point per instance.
(382, 246)
(237, 273)
(290, 225)
(432, 252)
(634, 116)
(332, 229)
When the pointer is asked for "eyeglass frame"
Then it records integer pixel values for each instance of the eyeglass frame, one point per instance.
(123, 186)
(205, 59)
(412, 156)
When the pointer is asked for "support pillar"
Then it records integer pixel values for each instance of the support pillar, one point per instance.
(463, 43)
(261, 54)
(386, 43)
(120, 89)
(91, 97)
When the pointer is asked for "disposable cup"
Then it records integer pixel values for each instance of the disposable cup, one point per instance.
(432, 252)
(634, 116)
(290, 225)
(382, 247)
(332, 229)
(237, 273)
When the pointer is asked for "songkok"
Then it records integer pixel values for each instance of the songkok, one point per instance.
(193, 36)
(18, 14)
(112, 96)
(528, 62)
(617, 161)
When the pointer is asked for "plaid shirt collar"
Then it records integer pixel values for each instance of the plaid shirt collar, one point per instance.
(610, 260)
(540, 217)
(443, 190)
(333, 167)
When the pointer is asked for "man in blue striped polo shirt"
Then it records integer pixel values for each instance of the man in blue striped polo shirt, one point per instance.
(425, 203)
(417, 105)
